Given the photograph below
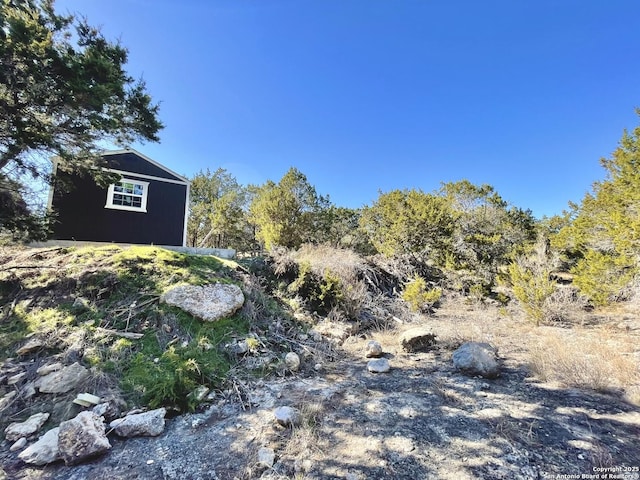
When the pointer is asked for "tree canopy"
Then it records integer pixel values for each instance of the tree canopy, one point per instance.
(287, 213)
(409, 222)
(64, 93)
(604, 232)
(217, 212)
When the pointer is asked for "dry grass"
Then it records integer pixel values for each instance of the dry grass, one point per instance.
(304, 437)
(597, 360)
(345, 263)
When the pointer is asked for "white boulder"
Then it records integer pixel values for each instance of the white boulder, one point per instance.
(287, 416)
(379, 365)
(292, 361)
(208, 302)
(373, 350)
(477, 359)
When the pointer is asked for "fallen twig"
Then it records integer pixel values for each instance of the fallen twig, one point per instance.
(129, 335)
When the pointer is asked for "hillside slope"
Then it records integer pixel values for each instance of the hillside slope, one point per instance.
(422, 419)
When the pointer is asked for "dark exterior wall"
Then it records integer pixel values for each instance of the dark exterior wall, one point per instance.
(130, 162)
(83, 217)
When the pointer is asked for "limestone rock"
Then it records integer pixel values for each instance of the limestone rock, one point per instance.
(18, 445)
(474, 358)
(333, 330)
(82, 437)
(7, 399)
(417, 339)
(379, 365)
(81, 303)
(63, 380)
(110, 409)
(149, 423)
(47, 369)
(287, 416)
(266, 457)
(44, 451)
(373, 350)
(200, 393)
(17, 378)
(28, 391)
(292, 360)
(240, 348)
(27, 428)
(208, 302)
(32, 345)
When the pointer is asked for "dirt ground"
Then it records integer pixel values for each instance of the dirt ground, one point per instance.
(420, 420)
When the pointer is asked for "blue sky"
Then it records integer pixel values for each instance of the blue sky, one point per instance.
(365, 96)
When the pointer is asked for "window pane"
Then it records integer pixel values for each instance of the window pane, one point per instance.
(128, 194)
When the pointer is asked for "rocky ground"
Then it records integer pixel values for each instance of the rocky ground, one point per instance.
(422, 419)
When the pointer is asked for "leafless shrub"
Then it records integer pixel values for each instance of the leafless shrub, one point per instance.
(283, 260)
(601, 456)
(564, 304)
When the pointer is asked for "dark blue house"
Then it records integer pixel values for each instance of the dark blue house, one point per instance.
(149, 205)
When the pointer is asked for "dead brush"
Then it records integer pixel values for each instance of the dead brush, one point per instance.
(601, 456)
(304, 436)
(514, 431)
(440, 388)
(565, 304)
(577, 359)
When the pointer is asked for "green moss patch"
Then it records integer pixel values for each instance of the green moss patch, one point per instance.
(105, 301)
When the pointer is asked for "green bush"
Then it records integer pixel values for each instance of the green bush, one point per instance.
(418, 296)
(322, 293)
(603, 277)
(532, 287)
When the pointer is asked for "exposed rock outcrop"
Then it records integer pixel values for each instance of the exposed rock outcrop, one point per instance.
(44, 451)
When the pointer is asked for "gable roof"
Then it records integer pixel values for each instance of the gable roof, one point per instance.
(136, 163)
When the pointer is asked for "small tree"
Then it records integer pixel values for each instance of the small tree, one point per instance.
(488, 232)
(531, 282)
(419, 297)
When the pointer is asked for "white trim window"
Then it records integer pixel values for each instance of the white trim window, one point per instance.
(129, 195)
